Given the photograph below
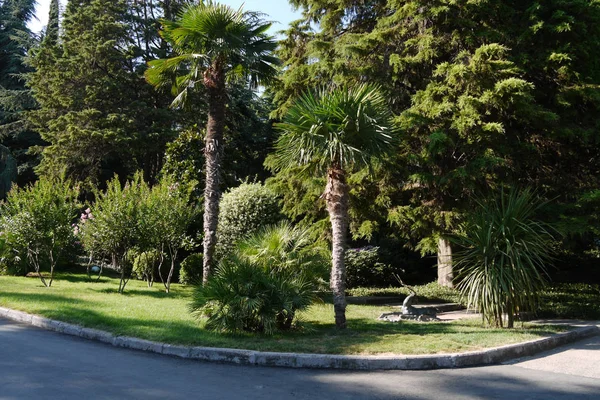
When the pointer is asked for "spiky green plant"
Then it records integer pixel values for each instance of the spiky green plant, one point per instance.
(272, 275)
(502, 267)
(242, 296)
(284, 247)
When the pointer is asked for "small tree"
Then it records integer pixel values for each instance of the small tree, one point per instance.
(116, 226)
(502, 266)
(331, 134)
(36, 222)
(166, 215)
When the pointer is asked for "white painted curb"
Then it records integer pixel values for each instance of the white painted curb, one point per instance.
(300, 360)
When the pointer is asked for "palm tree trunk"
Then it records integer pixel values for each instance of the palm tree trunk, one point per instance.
(444, 263)
(336, 197)
(214, 81)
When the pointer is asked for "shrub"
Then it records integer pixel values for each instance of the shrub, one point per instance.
(166, 214)
(283, 247)
(145, 265)
(190, 272)
(242, 296)
(502, 266)
(116, 225)
(36, 224)
(272, 275)
(431, 292)
(243, 210)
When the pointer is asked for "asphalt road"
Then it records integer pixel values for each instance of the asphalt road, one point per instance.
(38, 364)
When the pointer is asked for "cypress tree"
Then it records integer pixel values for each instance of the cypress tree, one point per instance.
(15, 98)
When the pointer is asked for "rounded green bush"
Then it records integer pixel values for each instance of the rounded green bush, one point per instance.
(243, 210)
(191, 269)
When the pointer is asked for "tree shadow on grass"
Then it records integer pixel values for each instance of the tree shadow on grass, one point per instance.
(153, 292)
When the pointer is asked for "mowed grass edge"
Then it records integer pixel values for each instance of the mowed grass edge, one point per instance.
(150, 313)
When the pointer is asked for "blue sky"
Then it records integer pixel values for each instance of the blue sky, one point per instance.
(276, 10)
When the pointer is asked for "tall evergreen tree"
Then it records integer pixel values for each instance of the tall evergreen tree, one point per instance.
(412, 47)
(15, 99)
(96, 112)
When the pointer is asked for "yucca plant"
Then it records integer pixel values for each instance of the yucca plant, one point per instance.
(506, 251)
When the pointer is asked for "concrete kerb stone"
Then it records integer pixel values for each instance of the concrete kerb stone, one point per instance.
(323, 361)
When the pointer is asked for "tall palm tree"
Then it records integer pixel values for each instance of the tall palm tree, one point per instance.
(332, 133)
(212, 43)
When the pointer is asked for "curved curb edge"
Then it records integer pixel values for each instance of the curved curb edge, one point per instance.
(303, 360)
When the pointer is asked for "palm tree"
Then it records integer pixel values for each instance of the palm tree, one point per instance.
(212, 43)
(332, 133)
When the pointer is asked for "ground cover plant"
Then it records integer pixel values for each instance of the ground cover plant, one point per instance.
(140, 312)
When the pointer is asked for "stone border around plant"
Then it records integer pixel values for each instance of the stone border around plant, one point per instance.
(301, 360)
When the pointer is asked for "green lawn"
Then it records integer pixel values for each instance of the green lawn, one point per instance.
(154, 315)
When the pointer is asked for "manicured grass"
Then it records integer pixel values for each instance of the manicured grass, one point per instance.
(154, 315)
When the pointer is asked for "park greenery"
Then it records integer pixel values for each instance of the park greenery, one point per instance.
(375, 143)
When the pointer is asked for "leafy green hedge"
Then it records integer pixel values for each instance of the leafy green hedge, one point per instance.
(431, 292)
(558, 300)
(571, 300)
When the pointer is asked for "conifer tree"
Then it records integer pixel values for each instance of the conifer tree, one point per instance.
(96, 112)
(15, 99)
(402, 44)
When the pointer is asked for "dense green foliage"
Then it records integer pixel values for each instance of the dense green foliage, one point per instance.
(488, 93)
(134, 220)
(190, 272)
(95, 110)
(36, 224)
(117, 225)
(429, 293)
(16, 40)
(365, 268)
(243, 296)
(243, 210)
(571, 301)
(272, 275)
(505, 255)
(283, 247)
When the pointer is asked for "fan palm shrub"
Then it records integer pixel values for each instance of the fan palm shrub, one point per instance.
(506, 251)
(261, 287)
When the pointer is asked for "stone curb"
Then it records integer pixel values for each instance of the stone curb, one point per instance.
(300, 360)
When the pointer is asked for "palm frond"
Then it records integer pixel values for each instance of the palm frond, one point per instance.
(345, 127)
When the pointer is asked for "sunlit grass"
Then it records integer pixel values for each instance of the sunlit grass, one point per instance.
(151, 314)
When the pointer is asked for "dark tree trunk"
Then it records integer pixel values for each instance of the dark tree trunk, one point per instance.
(214, 81)
(336, 197)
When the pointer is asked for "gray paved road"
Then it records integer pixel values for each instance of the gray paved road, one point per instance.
(37, 364)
